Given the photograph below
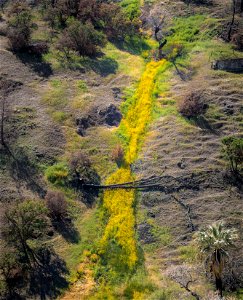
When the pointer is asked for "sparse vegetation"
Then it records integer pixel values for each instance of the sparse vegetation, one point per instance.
(73, 59)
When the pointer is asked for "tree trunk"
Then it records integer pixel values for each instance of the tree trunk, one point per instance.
(232, 20)
(219, 286)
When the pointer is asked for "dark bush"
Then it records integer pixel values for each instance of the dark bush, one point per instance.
(82, 38)
(237, 40)
(19, 27)
(81, 171)
(117, 155)
(57, 12)
(38, 48)
(116, 25)
(191, 105)
(57, 205)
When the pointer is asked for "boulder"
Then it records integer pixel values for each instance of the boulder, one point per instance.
(109, 115)
(234, 65)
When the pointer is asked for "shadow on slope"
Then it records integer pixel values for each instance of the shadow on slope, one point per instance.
(36, 63)
(48, 278)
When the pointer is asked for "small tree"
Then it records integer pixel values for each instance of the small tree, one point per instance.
(19, 26)
(26, 225)
(214, 241)
(233, 152)
(234, 7)
(57, 205)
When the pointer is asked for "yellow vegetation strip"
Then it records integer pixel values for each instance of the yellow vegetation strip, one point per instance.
(120, 203)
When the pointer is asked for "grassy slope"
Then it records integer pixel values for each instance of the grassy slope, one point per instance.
(173, 139)
(65, 94)
(194, 44)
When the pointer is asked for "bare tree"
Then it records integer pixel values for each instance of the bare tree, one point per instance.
(158, 18)
(234, 4)
(184, 276)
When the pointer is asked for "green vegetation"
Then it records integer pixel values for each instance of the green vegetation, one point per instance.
(57, 174)
(233, 152)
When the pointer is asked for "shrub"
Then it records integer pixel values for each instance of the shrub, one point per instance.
(58, 174)
(82, 38)
(19, 27)
(81, 171)
(115, 23)
(233, 152)
(38, 48)
(117, 155)
(175, 50)
(192, 105)
(237, 40)
(57, 205)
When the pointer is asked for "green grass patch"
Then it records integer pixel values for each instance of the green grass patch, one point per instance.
(81, 86)
(57, 174)
(188, 253)
(56, 96)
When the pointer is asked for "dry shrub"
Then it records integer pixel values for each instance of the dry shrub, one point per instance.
(79, 160)
(192, 104)
(81, 171)
(117, 155)
(237, 40)
(57, 205)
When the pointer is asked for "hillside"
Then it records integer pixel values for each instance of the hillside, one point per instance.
(121, 141)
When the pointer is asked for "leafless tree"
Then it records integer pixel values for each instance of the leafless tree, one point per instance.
(234, 5)
(184, 276)
(159, 18)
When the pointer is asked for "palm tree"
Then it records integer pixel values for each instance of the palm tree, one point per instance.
(215, 241)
